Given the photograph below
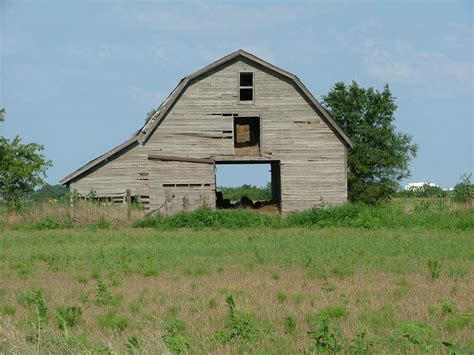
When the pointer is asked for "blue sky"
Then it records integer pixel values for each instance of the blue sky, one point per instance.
(80, 76)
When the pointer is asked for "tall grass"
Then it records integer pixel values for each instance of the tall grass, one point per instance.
(425, 215)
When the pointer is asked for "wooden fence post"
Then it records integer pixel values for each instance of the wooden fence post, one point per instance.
(129, 203)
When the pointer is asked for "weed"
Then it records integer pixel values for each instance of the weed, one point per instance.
(104, 296)
(336, 311)
(417, 333)
(35, 300)
(275, 276)
(298, 299)
(8, 310)
(258, 257)
(113, 321)
(134, 307)
(328, 287)
(457, 322)
(175, 336)
(150, 272)
(290, 324)
(102, 223)
(133, 343)
(212, 303)
(434, 268)
(448, 306)
(82, 279)
(240, 325)
(324, 336)
(360, 344)
(281, 296)
(68, 317)
(380, 318)
(341, 272)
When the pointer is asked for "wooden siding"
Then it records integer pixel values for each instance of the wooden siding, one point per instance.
(200, 125)
(312, 156)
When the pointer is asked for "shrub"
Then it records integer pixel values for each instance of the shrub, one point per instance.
(417, 333)
(464, 191)
(324, 335)
(348, 215)
(104, 296)
(175, 336)
(35, 300)
(68, 316)
(240, 325)
(360, 344)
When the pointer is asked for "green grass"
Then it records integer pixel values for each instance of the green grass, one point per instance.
(337, 250)
(432, 214)
(209, 289)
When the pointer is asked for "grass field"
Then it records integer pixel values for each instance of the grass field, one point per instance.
(219, 290)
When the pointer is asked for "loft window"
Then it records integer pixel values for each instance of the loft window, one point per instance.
(247, 136)
(246, 86)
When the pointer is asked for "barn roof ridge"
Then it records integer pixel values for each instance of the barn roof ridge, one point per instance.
(156, 116)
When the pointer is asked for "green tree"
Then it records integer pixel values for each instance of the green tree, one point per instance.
(463, 192)
(380, 156)
(22, 168)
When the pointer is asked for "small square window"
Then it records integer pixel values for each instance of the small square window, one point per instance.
(246, 79)
(246, 94)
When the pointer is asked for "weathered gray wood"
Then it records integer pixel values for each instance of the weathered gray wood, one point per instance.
(196, 125)
(183, 159)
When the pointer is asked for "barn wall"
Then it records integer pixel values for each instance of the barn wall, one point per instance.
(313, 159)
(312, 156)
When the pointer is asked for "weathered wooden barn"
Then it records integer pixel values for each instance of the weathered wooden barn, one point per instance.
(239, 109)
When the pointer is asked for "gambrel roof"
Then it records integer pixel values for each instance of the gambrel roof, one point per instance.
(156, 116)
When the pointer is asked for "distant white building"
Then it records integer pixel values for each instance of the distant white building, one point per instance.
(417, 185)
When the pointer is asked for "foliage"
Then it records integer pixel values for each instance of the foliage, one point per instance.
(22, 168)
(50, 192)
(363, 216)
(324, 335)
(133, 343)
(360, 344)
(113, 321)
(68, 317)
(379, 159)
(424, 191)
(240, 325)
(417, 333)
(175, 336)
(35, 300)
(464, 191)
(253, 192)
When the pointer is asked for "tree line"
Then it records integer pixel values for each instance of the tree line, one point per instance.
(376, 164)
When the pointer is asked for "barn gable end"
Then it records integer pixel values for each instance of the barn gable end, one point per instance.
(203, 120)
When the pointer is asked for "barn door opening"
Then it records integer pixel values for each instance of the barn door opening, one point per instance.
(248, 184)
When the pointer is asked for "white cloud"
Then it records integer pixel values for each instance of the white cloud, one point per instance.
(394, 72)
